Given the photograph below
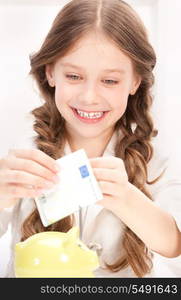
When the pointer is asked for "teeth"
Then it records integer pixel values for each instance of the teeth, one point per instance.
(90, 115)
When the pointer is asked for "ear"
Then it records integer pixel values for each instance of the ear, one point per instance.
(49, 74)
(135, 84)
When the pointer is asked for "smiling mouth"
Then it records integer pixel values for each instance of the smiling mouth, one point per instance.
(88, 111)
(89, 117)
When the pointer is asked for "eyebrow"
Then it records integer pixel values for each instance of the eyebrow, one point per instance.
(80, 68)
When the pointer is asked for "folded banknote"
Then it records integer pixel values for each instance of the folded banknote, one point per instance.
(77, 188)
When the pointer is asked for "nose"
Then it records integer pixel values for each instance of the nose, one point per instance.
(89, 94)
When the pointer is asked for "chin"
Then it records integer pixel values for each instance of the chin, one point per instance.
(89, 135)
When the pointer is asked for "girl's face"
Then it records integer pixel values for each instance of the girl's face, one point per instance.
(92, 84)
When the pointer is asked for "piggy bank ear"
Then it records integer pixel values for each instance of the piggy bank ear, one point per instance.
(73, 235)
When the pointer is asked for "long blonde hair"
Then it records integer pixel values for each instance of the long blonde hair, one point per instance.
(118, 22)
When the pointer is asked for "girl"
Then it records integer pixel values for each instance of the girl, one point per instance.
(94, 72)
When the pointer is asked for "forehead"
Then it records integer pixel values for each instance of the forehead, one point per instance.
(96, 50)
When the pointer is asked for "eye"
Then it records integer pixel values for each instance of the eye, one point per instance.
(110, 81)
(73, 76)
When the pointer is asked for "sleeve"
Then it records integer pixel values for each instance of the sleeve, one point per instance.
(169, 199)
(166, 192)
(6, 216)
(25, 142)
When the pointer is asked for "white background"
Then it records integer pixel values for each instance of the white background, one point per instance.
(23, 26)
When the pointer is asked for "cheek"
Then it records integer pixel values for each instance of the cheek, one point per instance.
(119, 100)
(120, 108)
(63, 94)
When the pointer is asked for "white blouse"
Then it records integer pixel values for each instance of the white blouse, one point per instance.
(100, 228)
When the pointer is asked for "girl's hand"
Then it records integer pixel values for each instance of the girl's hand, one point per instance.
(25, 173)
(112, 177)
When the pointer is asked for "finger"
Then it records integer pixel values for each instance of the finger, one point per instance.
(107, 201)
(106, 162)
(21, 177)
(10, 191)
(111, 175)
(37, 156)
(32, 167)
(107, 188)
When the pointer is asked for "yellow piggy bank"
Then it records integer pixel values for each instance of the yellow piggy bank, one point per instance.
(54, 254)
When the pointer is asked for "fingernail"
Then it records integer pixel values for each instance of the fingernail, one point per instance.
(56, 179)
(49, 185)
(57, 168)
